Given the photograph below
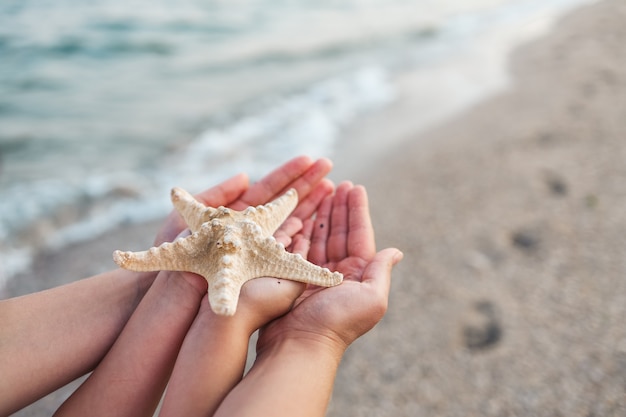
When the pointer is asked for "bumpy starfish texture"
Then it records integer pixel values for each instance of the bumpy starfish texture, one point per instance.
(229, 248)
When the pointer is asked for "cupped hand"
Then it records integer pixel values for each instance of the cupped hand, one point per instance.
(341, 239)
(263, 298)
(214, 350)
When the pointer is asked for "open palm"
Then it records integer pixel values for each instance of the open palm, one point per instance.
(342, 239)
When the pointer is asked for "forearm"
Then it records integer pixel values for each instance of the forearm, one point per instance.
(214, 353)
(49, 338)
(211, 362)
(131, 378)
(293, 377)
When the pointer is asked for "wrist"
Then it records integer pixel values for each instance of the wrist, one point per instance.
(295, 371)
(238, 326)
(307, 344)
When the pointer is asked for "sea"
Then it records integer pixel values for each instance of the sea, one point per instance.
(105, 105)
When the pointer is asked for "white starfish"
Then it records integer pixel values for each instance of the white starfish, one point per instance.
(229, 248)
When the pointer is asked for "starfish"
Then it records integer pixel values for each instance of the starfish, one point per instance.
(229, 248)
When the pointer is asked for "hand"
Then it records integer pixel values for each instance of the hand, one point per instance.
(171, 306)
(263, 299)
(312, 337)
(301, 173)
(213, 354)
(341, 239)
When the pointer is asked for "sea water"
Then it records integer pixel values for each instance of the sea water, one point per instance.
(104, 106)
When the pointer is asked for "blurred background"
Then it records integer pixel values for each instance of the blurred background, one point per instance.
(104, 106)
(489, 135)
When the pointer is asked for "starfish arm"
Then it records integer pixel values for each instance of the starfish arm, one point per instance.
(192, 211)
(170, 256)
(271, 215)
(224, 289)
(278, 263)
(228, 248)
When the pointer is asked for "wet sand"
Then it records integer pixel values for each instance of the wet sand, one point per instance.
(511, 299)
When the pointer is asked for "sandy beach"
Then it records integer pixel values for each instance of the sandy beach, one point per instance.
(511, 299)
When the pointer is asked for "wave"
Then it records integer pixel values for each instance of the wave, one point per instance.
(252, 138)
(280, 54)
(51, 214)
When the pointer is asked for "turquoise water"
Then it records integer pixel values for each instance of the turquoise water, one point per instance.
(106, 105)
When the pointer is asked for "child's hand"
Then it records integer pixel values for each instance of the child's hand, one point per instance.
(342, 239)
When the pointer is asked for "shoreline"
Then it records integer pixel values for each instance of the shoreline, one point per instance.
(510, 295)
(466, 71)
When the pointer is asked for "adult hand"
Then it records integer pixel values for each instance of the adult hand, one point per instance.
(171, 305)
(301, 173)
(213, 354)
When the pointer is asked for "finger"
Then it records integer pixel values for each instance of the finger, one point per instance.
(361, 241)
(302, 241)
(224, 193)
(337, 239)
(273, 183)
(378, 271)
(307, 206)
(220, 195)
(309, 180)
(319, 234)
(287, 230)
(173, 224)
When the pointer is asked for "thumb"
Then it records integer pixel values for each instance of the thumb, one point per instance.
(378, 272)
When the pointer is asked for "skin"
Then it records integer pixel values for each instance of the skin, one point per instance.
(47, 339)
(165, 321)
(212, 358)
(298, 353)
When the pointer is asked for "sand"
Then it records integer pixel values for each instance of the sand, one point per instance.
(511, 299)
